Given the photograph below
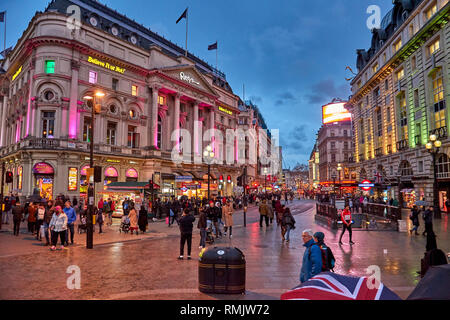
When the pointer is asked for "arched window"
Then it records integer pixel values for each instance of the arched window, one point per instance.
(159, 136)
(443, 166)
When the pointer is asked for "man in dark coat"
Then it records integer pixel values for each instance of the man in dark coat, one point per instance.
(17, 212)
(186, 223)
(143, 219)
(428, 219)
(202, 225)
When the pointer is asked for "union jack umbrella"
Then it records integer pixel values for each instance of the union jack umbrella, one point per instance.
(332, 286)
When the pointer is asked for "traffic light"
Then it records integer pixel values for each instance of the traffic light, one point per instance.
(221, 179)
(150, 182)
(229, 179)
(9, 177)
(239, 181)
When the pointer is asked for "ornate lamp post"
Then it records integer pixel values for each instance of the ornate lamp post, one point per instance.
(339, 168)
(208, 156)
(92, 101)
(433, 147)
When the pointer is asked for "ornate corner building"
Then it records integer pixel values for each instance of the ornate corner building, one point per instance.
(399, 99)
(151, 89)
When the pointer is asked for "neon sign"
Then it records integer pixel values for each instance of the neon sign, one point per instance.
(131, 173)
(73, 179)
(111, 172)
(225, 110)
(17, 73)
(106, 65)
(335, 112)
(188, 78)
(19, 173)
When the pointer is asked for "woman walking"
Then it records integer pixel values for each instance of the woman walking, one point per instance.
(133, 219)
(32, 218)
(58, 227)
(287, 224)
(143, 219)
(227, 212)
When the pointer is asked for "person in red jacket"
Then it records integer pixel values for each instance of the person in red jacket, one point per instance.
(346, 217)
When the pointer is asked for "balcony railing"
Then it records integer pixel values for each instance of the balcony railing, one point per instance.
(44, 143)
(389, 149)
(402, 145)
(441, 132)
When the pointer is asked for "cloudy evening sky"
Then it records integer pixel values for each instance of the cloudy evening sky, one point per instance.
(290, 54)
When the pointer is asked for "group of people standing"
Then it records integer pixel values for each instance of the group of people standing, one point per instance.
(274, 210)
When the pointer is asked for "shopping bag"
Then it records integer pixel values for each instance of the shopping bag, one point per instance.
(167, 220)
(42, 232)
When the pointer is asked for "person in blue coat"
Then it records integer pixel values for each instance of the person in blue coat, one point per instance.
(312, 258)
(71, 218)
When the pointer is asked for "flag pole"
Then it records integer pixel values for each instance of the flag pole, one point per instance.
(4, 40)
(217, 49)
(187, 15)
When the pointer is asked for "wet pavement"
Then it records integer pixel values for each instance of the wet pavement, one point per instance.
(125, 266)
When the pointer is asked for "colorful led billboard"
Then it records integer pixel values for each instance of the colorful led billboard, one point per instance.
(335, 112)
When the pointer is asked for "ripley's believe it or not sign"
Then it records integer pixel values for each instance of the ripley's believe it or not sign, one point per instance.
(106, 65)
(335, 112)
(188, 78)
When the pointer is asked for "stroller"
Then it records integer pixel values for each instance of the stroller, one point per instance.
(209, 235)
(124, 224)
(82, 227)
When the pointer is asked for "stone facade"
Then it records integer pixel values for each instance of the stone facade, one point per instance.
(399, 99)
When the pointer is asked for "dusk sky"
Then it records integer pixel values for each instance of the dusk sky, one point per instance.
(290, 54)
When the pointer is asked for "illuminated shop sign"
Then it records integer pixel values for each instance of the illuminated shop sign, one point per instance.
(106, 65)
(19, 173)
(17, 73)
(111, 172)
(131, 173)
(73, 179)
(335, 112)
(188, 78)
(43, 168)
(225, 110)
(83, 171)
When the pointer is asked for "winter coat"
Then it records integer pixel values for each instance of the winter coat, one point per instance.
(143, 219)
(133, 218)
(428, 216)
(415, 217)
(186, 224)
(263, 209)
(32, 214)
(269, 212)
(17, 212)
(202, 224)
(227, 213)
(71, 215)
(288, 219)
(59, 222)
(312, 261)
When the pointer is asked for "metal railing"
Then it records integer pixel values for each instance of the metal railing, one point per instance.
(441, 132)
(327, 210)
(383, 211)
(44, 143)
(402, 144)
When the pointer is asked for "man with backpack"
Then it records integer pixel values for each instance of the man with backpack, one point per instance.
(328, 260)
(312, 258)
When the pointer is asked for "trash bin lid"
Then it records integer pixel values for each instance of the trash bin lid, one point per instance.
(229, 255)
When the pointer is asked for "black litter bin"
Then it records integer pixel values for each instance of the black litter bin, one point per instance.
(222, 270)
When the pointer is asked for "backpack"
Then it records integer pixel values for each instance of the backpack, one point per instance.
(125, 206)
(328, 260)
(41, 214)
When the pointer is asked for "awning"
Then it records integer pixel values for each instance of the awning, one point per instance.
(129, 185)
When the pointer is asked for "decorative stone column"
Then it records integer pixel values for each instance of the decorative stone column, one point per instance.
(73, 104)
(153, 133)
(212, 127)
(196, 125)
(176, 120)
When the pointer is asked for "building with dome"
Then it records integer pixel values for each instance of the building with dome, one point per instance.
(399, 100)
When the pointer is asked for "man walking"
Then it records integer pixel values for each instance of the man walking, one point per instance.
(202, 225)
(263, 214)
(17, 212)
(71, 218)
(312, 258)
(346, 217)
(186, 223)
(428, 219)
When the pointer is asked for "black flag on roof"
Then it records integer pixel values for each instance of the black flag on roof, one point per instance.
(184, 15)
(213, 46)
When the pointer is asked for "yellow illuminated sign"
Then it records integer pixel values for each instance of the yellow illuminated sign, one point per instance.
(225, 110)
(335, 112)
(17, 73)
(73, 179)
(106, 65)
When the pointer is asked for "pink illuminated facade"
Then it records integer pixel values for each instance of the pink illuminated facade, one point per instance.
(151, 90)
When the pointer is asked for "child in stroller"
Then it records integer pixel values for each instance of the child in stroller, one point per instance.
(82, 227)
(124, 224)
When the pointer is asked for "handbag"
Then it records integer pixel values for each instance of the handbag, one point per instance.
(171, 213)
(42, 231)
(167, 220)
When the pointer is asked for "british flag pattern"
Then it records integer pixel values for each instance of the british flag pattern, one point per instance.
(332, 286)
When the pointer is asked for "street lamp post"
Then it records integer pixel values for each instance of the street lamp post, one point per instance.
(433, 147)
(339, 173)
(91, 188)
(208, 156)
(334, 187)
